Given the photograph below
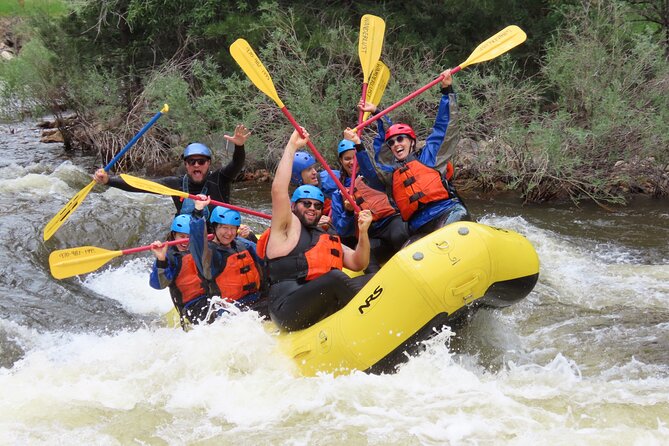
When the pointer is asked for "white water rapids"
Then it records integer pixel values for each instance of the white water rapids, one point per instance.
(583, 360)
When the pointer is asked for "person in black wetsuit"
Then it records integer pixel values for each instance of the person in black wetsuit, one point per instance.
(199, 179)
(304, 262)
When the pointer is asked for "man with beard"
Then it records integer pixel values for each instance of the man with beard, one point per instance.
(198, 178)
(304, 262)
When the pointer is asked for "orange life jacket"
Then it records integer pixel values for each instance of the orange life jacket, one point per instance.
(240, 277)
(316, 253)
(415, 184)
(188, 281)
(375, 200)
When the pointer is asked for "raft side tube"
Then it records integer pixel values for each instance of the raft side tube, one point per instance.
(424, 285)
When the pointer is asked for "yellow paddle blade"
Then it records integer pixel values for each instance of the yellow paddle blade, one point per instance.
(372, 29)
(151, 186)
(500, 43)
(247, 59)
(377, 85)
(71, 262)
(62, 215)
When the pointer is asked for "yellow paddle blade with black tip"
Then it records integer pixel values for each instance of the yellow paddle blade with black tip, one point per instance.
(377, 85)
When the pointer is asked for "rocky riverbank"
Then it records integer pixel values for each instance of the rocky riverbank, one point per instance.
(10, 40)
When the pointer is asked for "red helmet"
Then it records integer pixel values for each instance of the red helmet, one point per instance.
(400, 129)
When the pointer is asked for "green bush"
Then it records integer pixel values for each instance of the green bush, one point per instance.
(601, 99)
(29, 82)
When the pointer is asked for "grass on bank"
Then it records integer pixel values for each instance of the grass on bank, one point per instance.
(24, 8)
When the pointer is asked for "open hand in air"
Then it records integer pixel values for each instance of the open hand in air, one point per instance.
(240, 136)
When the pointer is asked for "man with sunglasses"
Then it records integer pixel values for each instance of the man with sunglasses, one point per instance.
(304, 262)
(419, 179)
(199, 179)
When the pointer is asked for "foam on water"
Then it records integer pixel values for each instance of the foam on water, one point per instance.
(227, 383)
(552, 369)
(129, 285)
(580, 276)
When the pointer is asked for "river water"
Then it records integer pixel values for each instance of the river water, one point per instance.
(584, 359)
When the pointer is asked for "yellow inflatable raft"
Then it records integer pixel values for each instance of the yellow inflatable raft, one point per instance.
(429, 284)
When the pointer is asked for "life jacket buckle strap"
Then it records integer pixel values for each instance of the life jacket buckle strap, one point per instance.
(415, 197)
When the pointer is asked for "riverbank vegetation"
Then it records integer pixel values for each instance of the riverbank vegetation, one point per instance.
(579, 111)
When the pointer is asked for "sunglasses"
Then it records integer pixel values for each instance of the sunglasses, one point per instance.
(396, 139)
(197, 161)
(316, 204)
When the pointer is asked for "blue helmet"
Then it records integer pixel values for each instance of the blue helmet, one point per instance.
(181, 223)
(302, 160)
(225, 216)
(308, 191)
(196, 148)
(344, 146)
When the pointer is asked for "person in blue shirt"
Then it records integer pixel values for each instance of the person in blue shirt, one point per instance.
(419, 179)
(175, 268)
(229, 262)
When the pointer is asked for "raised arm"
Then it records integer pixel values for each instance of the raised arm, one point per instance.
(435, 145)
(367, 169)
(236, 165)
(282, 215)
(198, 245)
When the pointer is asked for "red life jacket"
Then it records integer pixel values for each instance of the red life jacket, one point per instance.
(316, 253)
(369, 198)
(240, 277)
(188, 281)
(415, 184)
